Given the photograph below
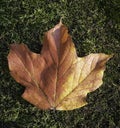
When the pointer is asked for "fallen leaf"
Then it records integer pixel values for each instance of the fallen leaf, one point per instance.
(56, 78)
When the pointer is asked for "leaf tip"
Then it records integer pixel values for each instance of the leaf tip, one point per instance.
(112, 55)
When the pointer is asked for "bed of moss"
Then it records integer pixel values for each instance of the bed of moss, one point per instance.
(94, 26)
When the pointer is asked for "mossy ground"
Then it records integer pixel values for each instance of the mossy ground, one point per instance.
(94, 26)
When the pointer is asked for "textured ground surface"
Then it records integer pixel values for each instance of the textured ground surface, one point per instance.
(94, 26)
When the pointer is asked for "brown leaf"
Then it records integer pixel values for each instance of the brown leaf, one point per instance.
(56, 78)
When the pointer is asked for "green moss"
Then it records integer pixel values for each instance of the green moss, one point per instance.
(94, 27)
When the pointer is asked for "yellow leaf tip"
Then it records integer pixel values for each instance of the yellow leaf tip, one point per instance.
(112, 55)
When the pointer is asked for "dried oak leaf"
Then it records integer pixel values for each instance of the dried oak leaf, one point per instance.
(56, 78)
